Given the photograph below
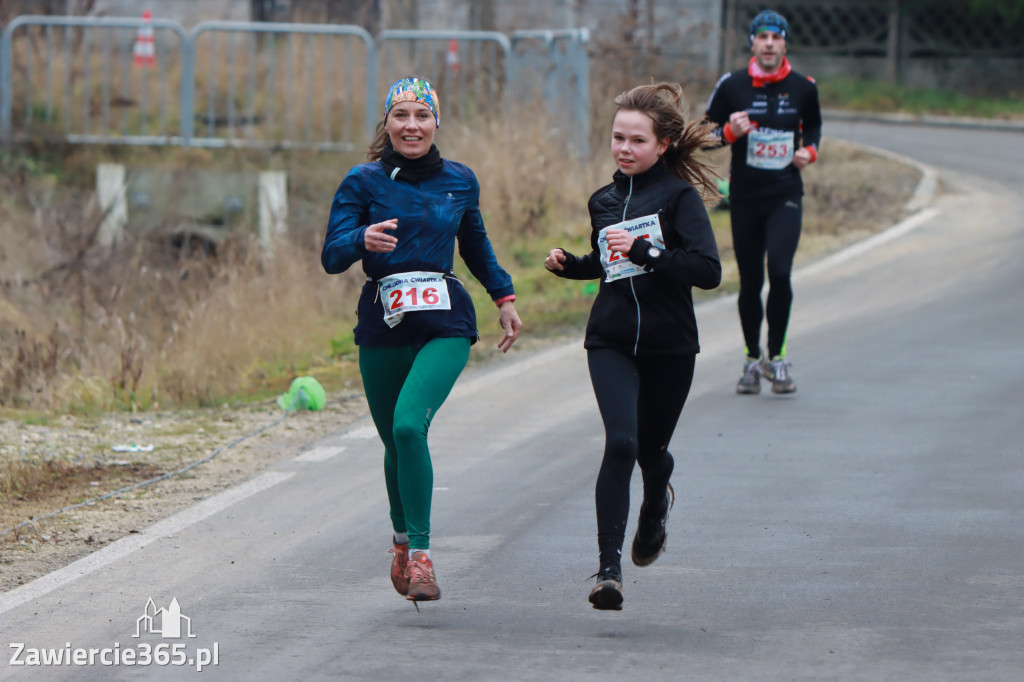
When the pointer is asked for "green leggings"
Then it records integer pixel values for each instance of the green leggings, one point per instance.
(405, 388)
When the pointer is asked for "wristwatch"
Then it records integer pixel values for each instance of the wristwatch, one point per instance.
(653, 255)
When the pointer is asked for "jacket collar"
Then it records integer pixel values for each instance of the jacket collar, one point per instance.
(762, 77)
(640, 180)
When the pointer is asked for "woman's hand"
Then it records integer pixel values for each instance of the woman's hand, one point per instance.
(379, 241)
(510, 322)
(554, 260)
(619, 240)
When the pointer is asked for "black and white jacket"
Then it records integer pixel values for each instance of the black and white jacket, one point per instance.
(651, 313)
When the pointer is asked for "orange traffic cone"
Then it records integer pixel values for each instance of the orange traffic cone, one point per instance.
(452, 58)
(144, 50)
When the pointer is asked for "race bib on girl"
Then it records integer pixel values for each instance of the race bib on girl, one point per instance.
(411, 291)
(769, 150)
(617, 265)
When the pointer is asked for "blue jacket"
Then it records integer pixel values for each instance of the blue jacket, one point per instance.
(432, 214)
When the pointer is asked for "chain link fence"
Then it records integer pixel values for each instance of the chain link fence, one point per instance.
(935, 44)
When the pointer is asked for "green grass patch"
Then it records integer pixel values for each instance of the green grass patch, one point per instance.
(843, 92)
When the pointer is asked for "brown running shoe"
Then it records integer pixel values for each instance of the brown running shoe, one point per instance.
(606, 595)
(400, 568)
(422, 581)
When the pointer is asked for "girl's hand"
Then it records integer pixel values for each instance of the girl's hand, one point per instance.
(510, 322)
(554, 260)
(619, 240)
(379, 241)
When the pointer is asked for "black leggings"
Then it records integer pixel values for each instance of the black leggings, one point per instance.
(640, 399)
(772, 227)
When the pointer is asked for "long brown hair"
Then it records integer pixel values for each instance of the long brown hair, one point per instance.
(663, 103)
(380, 139)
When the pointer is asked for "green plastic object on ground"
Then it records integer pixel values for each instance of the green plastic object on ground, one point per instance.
(305, 393)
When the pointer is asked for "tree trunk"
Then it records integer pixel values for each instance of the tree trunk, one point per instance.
(481, 15)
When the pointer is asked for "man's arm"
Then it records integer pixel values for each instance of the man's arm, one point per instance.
(810, 124)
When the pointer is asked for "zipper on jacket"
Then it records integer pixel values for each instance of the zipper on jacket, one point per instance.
(629, 195)
(625, 207)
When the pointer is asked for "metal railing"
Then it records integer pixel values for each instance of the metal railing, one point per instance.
(304, 93)
(470, 68)
(560, 60)
(70, 78)
(241, 84)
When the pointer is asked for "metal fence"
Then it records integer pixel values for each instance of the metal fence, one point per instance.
(937, 44)
(240, 84)
(286, 85)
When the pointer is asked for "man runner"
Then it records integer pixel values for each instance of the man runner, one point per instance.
(771, 116)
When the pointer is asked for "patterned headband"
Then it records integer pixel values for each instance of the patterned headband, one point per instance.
(414, 90)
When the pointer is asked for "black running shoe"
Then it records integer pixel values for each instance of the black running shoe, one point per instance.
(607, 593)
(651, 535)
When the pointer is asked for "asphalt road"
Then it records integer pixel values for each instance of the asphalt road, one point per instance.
(870, 527)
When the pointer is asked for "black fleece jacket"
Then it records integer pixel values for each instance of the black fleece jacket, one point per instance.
(650, 313)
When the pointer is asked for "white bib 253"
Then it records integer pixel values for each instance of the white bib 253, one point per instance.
(769, 150)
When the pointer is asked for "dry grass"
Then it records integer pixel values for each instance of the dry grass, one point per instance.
(146, 325)
(149, 324)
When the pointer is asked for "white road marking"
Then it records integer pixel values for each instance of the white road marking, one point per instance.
(849, 253)
(131, 543)
(319, 454)
(362, 433)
